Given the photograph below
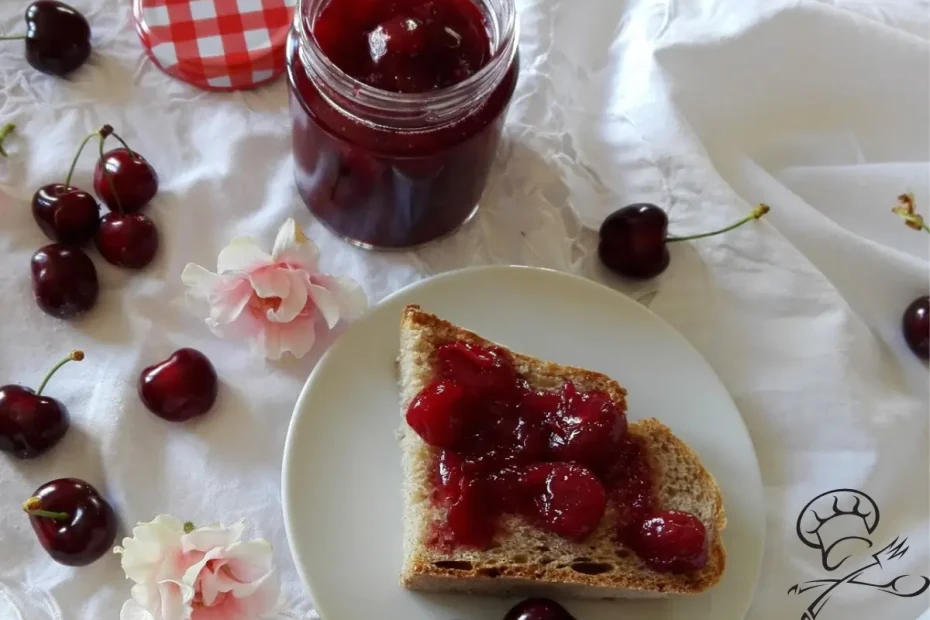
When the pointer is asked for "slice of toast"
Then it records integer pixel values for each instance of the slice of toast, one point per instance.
(528, 561)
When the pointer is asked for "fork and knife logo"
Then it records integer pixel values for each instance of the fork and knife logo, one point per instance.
(832, 523)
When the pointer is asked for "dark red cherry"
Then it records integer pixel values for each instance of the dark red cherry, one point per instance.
(632, 241)
(127, 240)
(589, 428)
(569, 499)
(57, 37)
(468, 519)
(671, 541)
(538, 609)
(30, 423)
(66, 214)
(131, 177)
(72, 521)
(181, 387)
(484, 372)
(916, 327)
(64, 281)
(438, 414)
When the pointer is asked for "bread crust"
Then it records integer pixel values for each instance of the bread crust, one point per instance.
(530, 562)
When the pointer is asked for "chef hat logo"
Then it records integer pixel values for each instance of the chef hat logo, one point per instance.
(839, 524)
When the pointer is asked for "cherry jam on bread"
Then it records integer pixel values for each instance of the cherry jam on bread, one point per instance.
(558, 458)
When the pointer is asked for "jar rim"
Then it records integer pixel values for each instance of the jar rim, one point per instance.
(433, 107)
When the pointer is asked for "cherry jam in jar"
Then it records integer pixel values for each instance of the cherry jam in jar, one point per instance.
(398, 108)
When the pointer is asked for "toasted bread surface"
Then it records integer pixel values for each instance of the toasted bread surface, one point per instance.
(529, 561)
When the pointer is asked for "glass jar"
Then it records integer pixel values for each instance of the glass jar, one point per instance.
(393, 170)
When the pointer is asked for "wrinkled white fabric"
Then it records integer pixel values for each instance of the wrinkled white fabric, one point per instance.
(706, 107)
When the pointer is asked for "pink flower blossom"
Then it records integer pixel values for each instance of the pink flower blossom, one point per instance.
(276, 302)
(206, 573)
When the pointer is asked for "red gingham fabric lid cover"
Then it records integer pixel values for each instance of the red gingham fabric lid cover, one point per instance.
(216, 44)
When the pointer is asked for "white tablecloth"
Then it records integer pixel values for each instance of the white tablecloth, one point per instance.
(706, 108)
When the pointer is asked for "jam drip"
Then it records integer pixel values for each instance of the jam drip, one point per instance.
(407, 46)
(556, 457)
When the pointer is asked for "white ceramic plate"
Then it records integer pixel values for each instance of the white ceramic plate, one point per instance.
(342, 471)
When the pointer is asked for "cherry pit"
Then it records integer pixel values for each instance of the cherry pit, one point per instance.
(64, 277)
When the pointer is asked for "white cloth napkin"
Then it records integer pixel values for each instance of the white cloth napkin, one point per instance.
(706, 108)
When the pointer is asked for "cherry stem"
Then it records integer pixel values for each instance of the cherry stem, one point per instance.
(914, 220)
(123, 142)
(758, 212)
(189, 527)
(13, 37)
(106, 173)
(77, 156)
(76, 356)
(4, 132)
(32, 507)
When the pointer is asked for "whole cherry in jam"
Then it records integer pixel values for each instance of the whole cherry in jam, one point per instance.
(915, 324)
(484, 372)
(407, 46)
(569, 500)
(671, 541)
(470, 519)
(438, 414)
(589, 427)
(538, 609)
(72, 521)
(401, 36)
(633, 241)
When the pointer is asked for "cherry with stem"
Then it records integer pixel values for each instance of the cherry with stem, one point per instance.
(124, 239)
(123, 179)
(915, 322)
(633, 241)
(72, 520)
(31, 423)
(907, 209)
(65, 213)
(32, 506)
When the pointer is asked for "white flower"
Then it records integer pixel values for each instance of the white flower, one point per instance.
(205, 574)
(277, 302)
